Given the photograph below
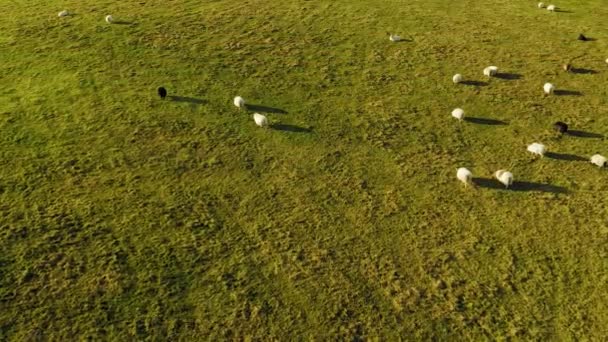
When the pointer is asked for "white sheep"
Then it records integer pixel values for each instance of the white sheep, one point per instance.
(239, 102)
(606, 60)
(548, 88)
(599, 160)
(63, 13)
(538, 149)
(394, 38)
(457, 78)
(260, 120)
(109, 19)
(464, 175)
(490, 71)
(505, 177)
(458, 113)
(551, 8)
(541, 5)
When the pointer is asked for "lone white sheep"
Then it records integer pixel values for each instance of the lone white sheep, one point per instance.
(599, 160)
(541, 5)
(63, 13)
(551, 8)
(109, 19)
(538, 149)
(239, 102)
(260, 120)
(394, 37)
(505, 177)
(548, 88)
(458, 113)
(490, 71)
(606, 60)
(457, 78)
(464, 175)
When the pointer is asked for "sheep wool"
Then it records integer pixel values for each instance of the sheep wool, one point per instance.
(64, 13)
(239, 102)
(541, 5)
(548, 88)
(464, 175)
(538, 149)
(457, 78)
(551, 8)
(260, 120)
(490, 71)
(394, 38)
(458, 113)
(109, 19)
(599, 160)
(505, 177)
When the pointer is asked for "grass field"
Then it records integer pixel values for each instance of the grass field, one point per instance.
(124, 217)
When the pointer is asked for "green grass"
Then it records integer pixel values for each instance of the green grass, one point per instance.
(123, 217)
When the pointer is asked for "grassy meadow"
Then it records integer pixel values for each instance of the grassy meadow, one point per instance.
(124, 217)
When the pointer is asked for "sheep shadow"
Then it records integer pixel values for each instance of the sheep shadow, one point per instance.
(124, 22)
(583, 71)
(587, 39)
(491, 183)
(562, 11)
(567, 93)
(187, 99)
(290, 128)
(475, 83)
(583, 134)
(485, 121)
(564, 156)
(264, 109)
(508, 76)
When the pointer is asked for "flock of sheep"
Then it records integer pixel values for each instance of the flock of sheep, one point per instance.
(504, 176)
(463, 174)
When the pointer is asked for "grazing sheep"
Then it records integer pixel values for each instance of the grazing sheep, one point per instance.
(458, 113)
(606, 60)
(64, 13)
(464, 175)
(551, 8)
(260, 120)
(239, 102)
(541, 5)
(548, 88)
(162, 92)
(582, 37)
(599, 160)
(505, 177)
(490, 71)
(560, 127)
(538, 149)
(393, 37)
(109, 19)
(457, 78)
(567, 67)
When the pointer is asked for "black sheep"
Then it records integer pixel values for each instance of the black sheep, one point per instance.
(162, 92)
(582, 37)
(560, 127)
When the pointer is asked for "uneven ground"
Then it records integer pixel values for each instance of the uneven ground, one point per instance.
(123, 217)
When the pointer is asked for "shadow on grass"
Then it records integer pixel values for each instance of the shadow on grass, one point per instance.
(475, 83)
(583, 71)
(124, 22)
(583, 134)
(485, 121)
(567, 93)
(562, 11)
(564, 156)
(264, 109)
(491, 183)
(508, 76)
(187, 99)
(290, 128)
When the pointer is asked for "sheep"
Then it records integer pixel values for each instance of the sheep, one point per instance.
(393, 37)
(457, 78)
(464, 175)
(109, 19)
(567, 67)
(490, 71)
(541, 5)
(537, 148)
(239, 102)
(560, 127)
(582, 37)
(63, 13)
(551, 8)
(458, 113)
(607, 60)
(162, 92)
(548, 88)
(260, 120)
(505, 177)
(599, 160)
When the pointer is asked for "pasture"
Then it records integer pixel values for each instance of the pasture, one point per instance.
(127, 217)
